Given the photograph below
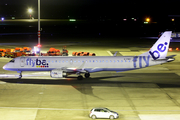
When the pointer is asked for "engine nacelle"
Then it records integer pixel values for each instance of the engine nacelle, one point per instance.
(58, 74)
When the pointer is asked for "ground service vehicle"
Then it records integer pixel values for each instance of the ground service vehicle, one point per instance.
(53, 52)
(92, 54)
(27, 49)
(2, 52)
(9, 52)
(83, 54)
(18, 52)
(74, 53)
(64, 51)
(103, 113)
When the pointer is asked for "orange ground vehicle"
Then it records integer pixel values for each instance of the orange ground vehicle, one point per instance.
(2, 52)
(53, 52)
(85, 54)
(27, 50)
(79, 53)
(18, 52)
(17, 49)
(92, 54)
(9, 52)
(74, 53)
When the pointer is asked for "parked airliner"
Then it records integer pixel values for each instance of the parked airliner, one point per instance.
(62, 66)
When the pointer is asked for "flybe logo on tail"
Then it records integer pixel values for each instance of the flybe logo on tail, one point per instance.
(37, 63)
(160, 49)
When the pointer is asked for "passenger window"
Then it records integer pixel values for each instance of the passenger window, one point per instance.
(59, 61)
(106, 60)
(121, 60)
(56, 61)
(89, 60)
(96, 61)
(48, 61)
(117, 60)
(114, 61)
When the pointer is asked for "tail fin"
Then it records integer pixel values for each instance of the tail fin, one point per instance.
(160, 48)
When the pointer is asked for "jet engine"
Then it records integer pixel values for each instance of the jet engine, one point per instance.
(58, 74)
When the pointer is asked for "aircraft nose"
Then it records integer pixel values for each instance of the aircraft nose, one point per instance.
(5, 67)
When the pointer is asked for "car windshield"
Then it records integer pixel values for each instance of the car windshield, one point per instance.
(12, 60)
(109, 110)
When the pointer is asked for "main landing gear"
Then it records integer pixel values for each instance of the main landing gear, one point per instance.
(20, 74)
(86, 75)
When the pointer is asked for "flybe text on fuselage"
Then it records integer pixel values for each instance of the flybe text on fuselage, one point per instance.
(138, 62)
(36, 63)
(141, 58)
(160, 49)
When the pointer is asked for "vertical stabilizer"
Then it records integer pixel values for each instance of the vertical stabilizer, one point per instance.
(160, 48)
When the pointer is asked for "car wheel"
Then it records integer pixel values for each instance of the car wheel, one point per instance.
(111, 117)
(93, 117)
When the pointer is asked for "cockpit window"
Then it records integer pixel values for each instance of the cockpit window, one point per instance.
(12, 60)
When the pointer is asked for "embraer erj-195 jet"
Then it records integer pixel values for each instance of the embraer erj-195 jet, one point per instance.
(62, 66)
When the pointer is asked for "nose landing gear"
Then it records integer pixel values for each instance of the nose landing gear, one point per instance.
(20, 74)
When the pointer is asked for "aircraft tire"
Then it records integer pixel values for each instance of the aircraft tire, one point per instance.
(86, 75)
(80, 77)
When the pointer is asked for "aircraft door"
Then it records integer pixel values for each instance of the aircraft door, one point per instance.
(22, 61)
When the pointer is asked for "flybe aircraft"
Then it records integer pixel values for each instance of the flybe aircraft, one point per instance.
(62, 66)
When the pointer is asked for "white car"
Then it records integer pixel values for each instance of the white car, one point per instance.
(103, 113)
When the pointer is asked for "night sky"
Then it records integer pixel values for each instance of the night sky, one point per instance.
(76, 8)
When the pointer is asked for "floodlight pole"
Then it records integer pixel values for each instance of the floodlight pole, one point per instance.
(39, 33)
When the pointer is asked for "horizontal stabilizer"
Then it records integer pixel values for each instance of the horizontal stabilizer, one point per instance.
(171, 56)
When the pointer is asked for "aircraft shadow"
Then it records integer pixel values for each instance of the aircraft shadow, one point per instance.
(85, 86)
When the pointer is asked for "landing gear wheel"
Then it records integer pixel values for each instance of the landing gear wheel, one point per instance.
(111, 117)
(93, 117)
(86, 75)
(20, 75)
(80, 77)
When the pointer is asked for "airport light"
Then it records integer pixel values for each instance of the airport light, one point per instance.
(2, 18)
(30, 10)
(170, 49)
(147, 19)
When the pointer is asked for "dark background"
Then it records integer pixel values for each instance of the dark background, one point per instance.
(99, 18)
